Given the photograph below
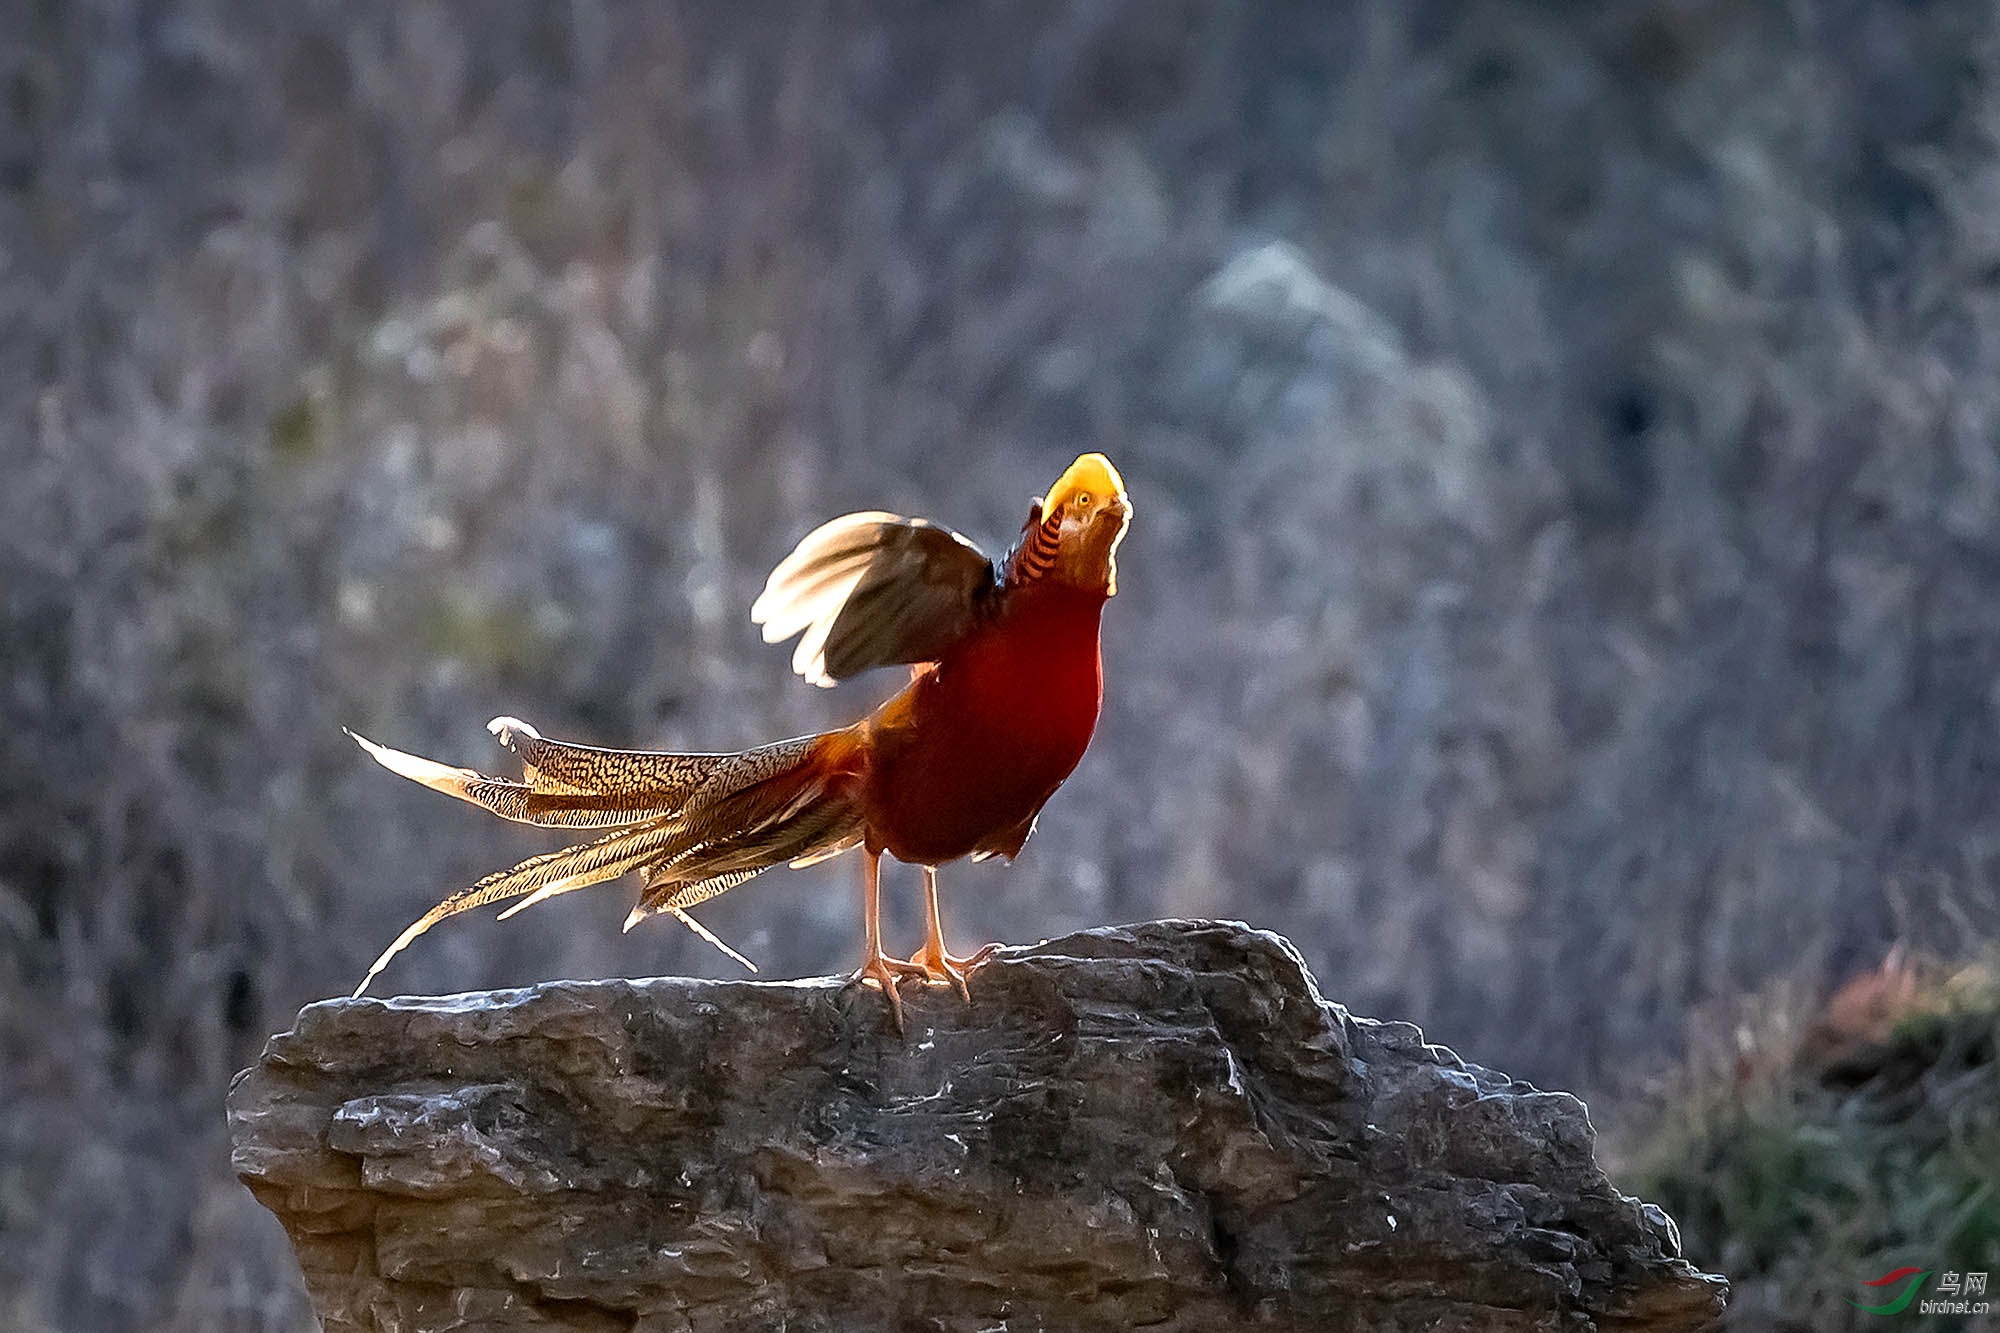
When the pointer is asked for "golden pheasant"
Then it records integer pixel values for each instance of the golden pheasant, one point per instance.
(1005, 685)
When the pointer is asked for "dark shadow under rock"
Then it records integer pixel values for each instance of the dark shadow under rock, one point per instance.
(1161, 1125)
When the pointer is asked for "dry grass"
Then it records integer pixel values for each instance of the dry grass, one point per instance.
(1806, 1149)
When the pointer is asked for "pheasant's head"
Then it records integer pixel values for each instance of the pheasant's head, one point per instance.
(1079, 525)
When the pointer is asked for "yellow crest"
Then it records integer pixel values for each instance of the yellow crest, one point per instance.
(1090, 475)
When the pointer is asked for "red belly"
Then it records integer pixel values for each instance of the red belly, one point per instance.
(966, 756)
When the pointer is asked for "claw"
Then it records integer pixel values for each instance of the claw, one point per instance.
(885, 972)
(940, 967)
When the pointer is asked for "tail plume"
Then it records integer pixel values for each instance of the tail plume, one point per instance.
(693, 825)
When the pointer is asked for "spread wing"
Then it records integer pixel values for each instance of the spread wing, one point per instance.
(871, 589)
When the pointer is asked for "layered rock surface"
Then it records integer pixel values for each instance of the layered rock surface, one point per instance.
(1160, 1125)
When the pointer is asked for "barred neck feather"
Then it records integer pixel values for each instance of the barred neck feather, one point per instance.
(1036, 555)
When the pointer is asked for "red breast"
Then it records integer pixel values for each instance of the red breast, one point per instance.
(974, 748)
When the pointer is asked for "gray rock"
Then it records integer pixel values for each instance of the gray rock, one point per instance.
(1159, 1125)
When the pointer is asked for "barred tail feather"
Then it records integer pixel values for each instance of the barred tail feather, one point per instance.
(709, 822)
(825, 828)
(669, 780)
(581, 786)
(543, 876)
(572, 868)
(548, 804)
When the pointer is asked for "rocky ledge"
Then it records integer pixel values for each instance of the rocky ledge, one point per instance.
(1159, 1125)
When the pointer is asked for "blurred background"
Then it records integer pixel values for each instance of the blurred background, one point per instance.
(1564, 596)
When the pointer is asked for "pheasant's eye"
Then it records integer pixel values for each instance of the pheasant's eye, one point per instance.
(1083, 500)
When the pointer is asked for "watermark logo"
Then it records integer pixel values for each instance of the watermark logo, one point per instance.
(1957, 1293)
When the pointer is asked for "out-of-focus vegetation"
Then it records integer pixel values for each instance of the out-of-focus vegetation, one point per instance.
(1808, 1149)
(1565, 587)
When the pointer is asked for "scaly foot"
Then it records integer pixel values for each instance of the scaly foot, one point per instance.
(885, 972)
(940, 967)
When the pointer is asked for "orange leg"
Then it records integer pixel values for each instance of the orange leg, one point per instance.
(938, 963)
(875, 965)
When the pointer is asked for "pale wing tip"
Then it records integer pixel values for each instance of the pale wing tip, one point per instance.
(811, 668)
(633, 918)
(809, 658)
(778, 595)
(785, 616)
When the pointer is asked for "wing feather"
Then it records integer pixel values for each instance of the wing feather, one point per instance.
(873, 589)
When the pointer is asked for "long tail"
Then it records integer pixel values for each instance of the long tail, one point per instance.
(693, 825)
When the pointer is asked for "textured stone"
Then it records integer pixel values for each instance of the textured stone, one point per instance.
(1160, 1125)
